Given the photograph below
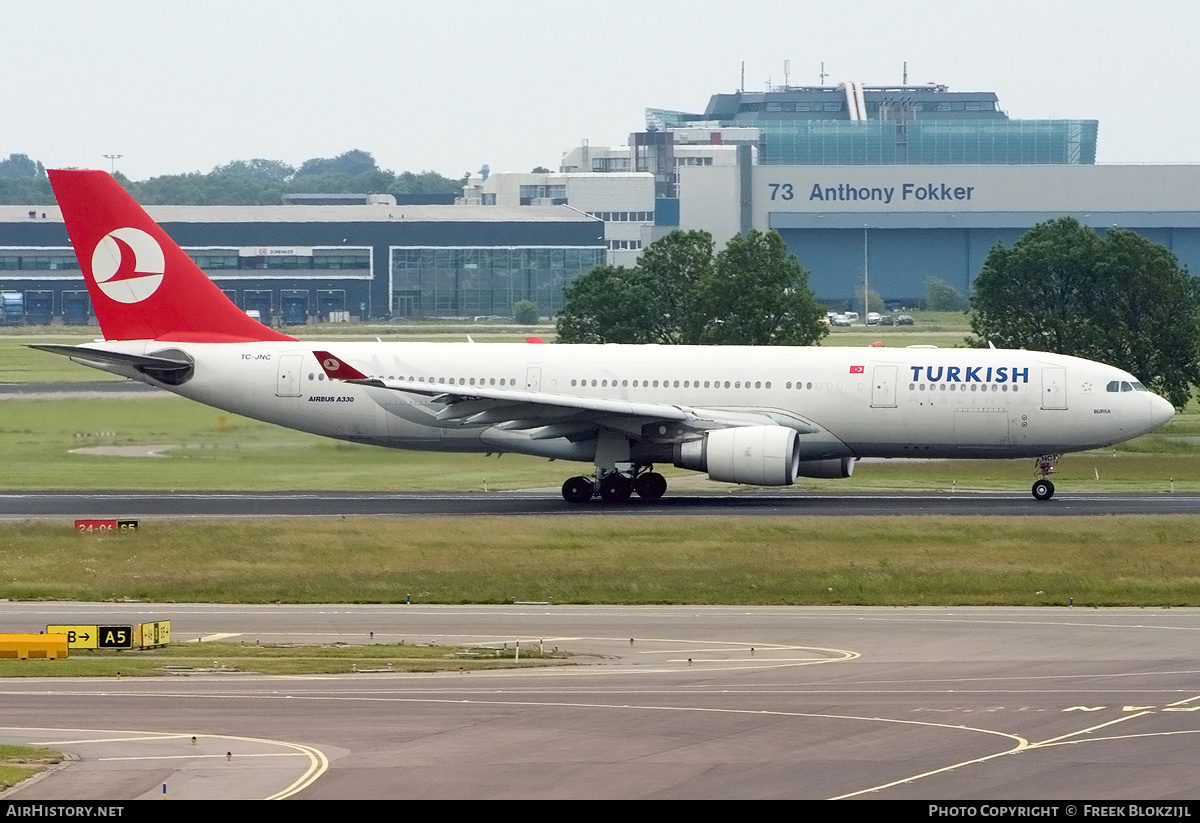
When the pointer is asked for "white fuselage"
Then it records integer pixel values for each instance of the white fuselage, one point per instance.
(847, 402)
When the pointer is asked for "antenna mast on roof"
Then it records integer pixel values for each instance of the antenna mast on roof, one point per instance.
(823, 74)
(904, 82)
(742, 83)
(787, 70)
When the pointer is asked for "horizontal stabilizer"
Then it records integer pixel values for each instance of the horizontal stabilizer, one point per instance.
(172, 367)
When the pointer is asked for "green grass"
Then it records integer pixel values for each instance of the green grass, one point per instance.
(218, 451)
(19, 763)
(1109, 561)
(225, 657)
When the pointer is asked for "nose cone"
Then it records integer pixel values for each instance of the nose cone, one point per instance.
(1160, 411)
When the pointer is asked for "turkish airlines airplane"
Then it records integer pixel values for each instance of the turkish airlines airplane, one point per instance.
(753, 415)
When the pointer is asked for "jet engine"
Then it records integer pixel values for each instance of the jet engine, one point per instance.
(835, 467)
(755, 455)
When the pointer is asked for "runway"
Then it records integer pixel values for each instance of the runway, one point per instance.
(743, 501)
(659, 702)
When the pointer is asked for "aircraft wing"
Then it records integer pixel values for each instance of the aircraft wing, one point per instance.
(547, 414)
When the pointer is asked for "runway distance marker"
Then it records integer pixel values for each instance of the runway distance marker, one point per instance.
(103, 526)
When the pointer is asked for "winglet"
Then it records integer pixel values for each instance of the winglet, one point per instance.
(337, 369)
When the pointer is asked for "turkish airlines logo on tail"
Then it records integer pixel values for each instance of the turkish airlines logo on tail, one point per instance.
(128, 265)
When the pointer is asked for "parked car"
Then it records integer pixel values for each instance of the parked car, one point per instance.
(839, 320)
(872, 318)
(904, 320)
(886, 320)
(852, 316)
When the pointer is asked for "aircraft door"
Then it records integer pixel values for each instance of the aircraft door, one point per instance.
(1054, 388)
(533, 378)
(883, 387)
(288, 380)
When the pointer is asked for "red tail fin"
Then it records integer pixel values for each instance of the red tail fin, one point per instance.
(142, 285)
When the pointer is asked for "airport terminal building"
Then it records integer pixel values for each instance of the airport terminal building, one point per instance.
(885, 184)
(892, 184)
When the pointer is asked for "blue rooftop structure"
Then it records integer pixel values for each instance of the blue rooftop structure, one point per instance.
(855, 124)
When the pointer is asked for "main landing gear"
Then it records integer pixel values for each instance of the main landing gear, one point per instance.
(616, 486)
(1043, 489)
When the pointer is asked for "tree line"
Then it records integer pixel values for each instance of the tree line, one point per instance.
(752, 292)
(255, 182)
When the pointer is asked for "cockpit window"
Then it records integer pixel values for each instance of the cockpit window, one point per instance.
(1125, 386)
(1139, 387)
(1113, 385)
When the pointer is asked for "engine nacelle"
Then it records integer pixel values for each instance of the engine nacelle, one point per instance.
(835, 467)
(755, 455)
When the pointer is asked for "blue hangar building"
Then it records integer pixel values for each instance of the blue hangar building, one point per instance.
(296, 264)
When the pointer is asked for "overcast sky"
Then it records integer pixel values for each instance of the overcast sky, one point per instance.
(449, 85)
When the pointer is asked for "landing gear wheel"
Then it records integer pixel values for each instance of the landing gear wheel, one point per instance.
(577, 490)
(650, 486)
(1043, 489)
(615, 488)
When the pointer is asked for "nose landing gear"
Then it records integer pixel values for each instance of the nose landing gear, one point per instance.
(1043, 489)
